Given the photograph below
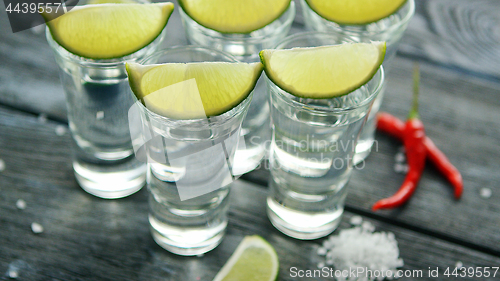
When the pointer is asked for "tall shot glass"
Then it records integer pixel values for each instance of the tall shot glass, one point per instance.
(246, 47)
(312, 148)
(389, 29)
(98, 98)
(189, 162)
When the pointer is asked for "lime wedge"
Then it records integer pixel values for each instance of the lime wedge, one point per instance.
(192, 90)
(355, 11)
(109, 31)
(230, 16)
(254, 260)
(323, 72)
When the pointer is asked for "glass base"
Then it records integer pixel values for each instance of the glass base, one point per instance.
(110, 181)
(186, 242)
(302, 225)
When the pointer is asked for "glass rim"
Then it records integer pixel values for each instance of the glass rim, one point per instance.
(287, 97)
(289, 12)
(193, 48)
(404, 20)
(185, 48)
(64, 53)
(212, 120)
(306, 34)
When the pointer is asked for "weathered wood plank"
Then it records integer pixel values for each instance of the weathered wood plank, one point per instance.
(86, 238)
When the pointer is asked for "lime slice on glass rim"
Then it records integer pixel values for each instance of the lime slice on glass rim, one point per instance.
(107, 31)
(253, 260)
(323, 72)
(192, 90)
(355, 12)
(232, 16)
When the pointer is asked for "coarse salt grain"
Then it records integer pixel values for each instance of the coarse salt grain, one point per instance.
(2, 165)
(12, 273)
(99, 115)
(321, 251)
(356, 220)
(361, 247)
(485, 193)
(459, 264)
(400, 168)
(36, 228)
(21, 204)
(60, 130)
(400, 157)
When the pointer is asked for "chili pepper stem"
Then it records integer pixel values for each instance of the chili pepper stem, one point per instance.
(416, 85)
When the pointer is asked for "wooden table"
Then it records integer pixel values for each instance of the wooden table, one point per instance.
(457, 43)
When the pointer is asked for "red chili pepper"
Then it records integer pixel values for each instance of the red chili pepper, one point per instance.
(394, 127)
(413, 140)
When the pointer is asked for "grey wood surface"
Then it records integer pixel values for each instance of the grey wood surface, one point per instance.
(458, 45)
(87, 238)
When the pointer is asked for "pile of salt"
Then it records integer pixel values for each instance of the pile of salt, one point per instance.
(361, 247)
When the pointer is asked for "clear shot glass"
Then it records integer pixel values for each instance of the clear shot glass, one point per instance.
(389, 29)
(98, 98)
(189, 166)
(312, 148)
(246, 47)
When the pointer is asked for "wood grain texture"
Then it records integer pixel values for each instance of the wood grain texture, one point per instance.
(460, 34)
(87, 238)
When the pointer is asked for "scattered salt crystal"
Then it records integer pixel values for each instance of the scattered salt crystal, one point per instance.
(459, 264)
(361, 247)
(321, 251)
(400, 168)
(13, 273)
(368, 226)
(36, 228)
(356, 220)
(485, 193)
(99, 115)
(2, 165)
(42, 118)
(60, 130)
(400, 157)
(321, 265)
(21, 204)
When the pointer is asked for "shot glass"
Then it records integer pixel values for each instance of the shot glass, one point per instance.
(312, 148)
(389, 29)
(190, 162)
(246, 47)
(98, 98)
